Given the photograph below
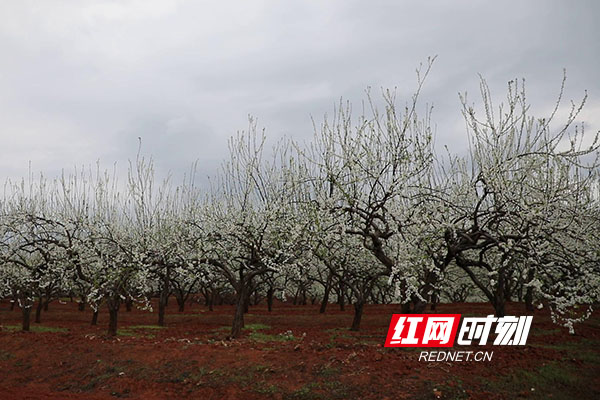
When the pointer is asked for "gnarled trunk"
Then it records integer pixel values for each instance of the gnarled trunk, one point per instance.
(238, 318)
(325, 300)
(358, 312)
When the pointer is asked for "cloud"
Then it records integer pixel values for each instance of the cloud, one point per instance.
(82, 81)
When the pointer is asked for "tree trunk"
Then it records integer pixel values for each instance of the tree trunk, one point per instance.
(529, 300)
(180, 301)
(270, 293)
(26, 312)
(238, 318)
(113, 311)
(81, 304)
(38, 310)
(499, 295)
(211, 301)
(128, 305)
(325, 300)
(163, 300)
(499, 308)
(419, 306)
(162, 303)
(358, 311)
(256, 298)
(434, 301)
(529, 293)
(405, 308)
(95, 318)
(247, 302)
(342, 297)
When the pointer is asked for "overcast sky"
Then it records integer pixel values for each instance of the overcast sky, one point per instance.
(82, 80)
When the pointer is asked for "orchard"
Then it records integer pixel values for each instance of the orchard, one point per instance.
(368, 212)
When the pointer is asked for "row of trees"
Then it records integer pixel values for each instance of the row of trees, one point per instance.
(366, 212)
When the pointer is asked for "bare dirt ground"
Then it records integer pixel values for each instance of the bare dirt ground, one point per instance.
(292, 353)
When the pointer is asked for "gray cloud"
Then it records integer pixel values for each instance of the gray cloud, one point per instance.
(81, 81)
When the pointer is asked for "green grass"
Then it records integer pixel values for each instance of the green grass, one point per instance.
(247, 327)
(264, 388)
(256, 327)
(321, 390)
(126, 332)
(35, 328)
(556, 379)
(138, 331)
(264, 337)
(583, 350)
(145, 327)
(550, 380)
(327, 371)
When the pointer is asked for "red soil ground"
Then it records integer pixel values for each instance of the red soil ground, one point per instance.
(321, 359)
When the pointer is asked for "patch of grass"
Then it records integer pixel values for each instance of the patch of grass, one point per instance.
(98, 374)
(12, 328)
(250, 327)
(584, 350)
(264, 388)
(260, 368)
(550, 380)
(336, 389)
(256, 327)
(327, 371)
(35, 328)
(331, 389)
(95, 381)
(333, 338)
(126, 332)
(264, 337)
(145, 327)
(306, 392)
(137, 331)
